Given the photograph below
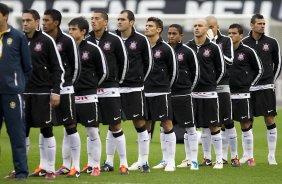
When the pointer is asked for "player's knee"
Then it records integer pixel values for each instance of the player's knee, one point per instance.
(141, 129)
(246, 127)
(71, 129)
(47, 132)
(269, 120)
(229, 126)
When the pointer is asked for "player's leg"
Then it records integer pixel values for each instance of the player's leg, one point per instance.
(12, 109)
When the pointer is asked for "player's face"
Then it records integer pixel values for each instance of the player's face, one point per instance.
(3, 19)
(258, 26)
(123, 22)
(173, 35)
(29, 23)
(234, 34)
(151, 29)
(76, 33)
(49, 24)
(98, 23)
(200, 28)
(213, 26)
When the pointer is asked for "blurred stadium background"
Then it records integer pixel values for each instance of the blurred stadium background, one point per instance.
(182, 12)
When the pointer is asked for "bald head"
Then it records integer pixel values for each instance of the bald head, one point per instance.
(212, 24)
(202, 22)
(200, 28)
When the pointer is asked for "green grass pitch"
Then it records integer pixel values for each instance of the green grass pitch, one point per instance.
(261, 173)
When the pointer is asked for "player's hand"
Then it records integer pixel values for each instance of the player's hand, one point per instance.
(210, 34)
(54, 99)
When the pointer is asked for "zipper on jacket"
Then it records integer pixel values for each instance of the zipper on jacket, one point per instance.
(198, 48)
(16, 81)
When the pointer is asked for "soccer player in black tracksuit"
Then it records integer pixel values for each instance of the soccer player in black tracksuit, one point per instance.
(43, 90)
(212, 69)
(223, 90)
(246, 71)
(108, 93)
(157, 90)
(263, 97)
(15, 71)
(93, 73)
(65, 112)
(132, 88)
(181, 97)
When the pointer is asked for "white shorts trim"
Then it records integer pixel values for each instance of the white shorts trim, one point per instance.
(108, 92)
(240, 95)
(86, 99)
(211, 94)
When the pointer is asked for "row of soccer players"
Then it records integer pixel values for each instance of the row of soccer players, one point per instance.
(119, 64)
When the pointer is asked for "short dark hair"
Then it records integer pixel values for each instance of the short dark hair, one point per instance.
(237, 26)
(256, 16)
(81, 23)
(157, 21)
(33, 12)
(178, 27)
(55, 14)
(104, 14)
(130, 14)
(4, 9)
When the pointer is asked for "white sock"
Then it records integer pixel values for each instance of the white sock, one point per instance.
(66, 151)
(248, 143)
(170, 143)
(121, 148)
(206, 142)
(27, 145)
(95, 146)
(143, 147)
(110, 148)
(217, 145)
(224, 145)
(163, 147)
(43, 156)
(271, 141)
(150, 136)
(75, 150)
(193, 143)
(232, 139)
(187, 147)
(89, 155)
(50, 146)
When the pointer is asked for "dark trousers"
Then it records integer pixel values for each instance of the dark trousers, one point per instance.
(11, 109)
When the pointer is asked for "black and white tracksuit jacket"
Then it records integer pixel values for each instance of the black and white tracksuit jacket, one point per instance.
(93, 69)
(211, 64)
(246, 69)
(139, 58)
(70, 60)
(226, 45)
(268, 50)
(48, 72)
(188, 70)
(164, 71)
(116, 56)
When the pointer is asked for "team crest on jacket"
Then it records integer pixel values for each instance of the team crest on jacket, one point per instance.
(265, 47)
(85, 55)
(207, 53)
(241, 56)
(180, 57)
(107, 46)
(60, 46)
(157, 54)
(133, 45)
(9, 41)
(220, 45)
(38, 47)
